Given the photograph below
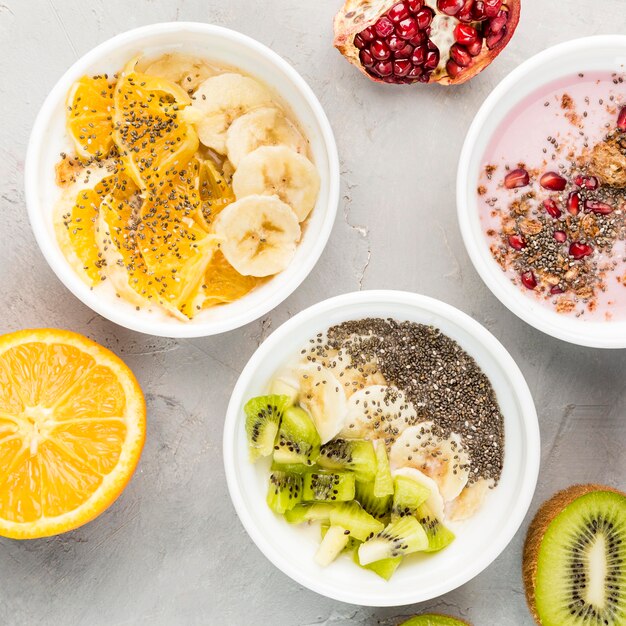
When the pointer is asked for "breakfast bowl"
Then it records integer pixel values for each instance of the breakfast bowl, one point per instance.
(231, 52)
(479, 539)
(547, 124)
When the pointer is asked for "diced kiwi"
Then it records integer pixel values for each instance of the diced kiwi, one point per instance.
(292, 468)
(403, 536)
(324, 486)
(310, 512)
(380, 508)
(383, 482)
(575, 558)
(352, 516)
(356, 455)
(263, 416)
(284, 492)
(438, 535)
(335, 540)
(408, 495)
(298, 441)
(435, 620)
(384, 568)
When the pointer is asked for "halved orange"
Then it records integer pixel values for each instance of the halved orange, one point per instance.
(72, 427)
(90, 116)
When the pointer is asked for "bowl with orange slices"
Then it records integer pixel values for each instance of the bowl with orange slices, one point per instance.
(182, 179)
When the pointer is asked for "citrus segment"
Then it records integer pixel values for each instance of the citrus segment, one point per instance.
(223, 283)
(215, 193)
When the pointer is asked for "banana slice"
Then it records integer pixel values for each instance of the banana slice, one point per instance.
(444, 460)
(186, 70)
(219, 101)
(323, 398)
(278, 170)
(435, 502)
(259, 234)
(261, 127)
(469, 500)
(378, 412)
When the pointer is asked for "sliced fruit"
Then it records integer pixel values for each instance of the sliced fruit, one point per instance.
(214, 191)
(439, 536)
(90, 116)
(324, 486)
(403, 536)
(297, 440)
(219, 101)
(310, 512)
(291, 468)
(259, 235)
(185, 70)
(266, 126)
(385, 568)
(434, 501)
(408, 496)
(355, 455)
(383, 482)
(334, 541)
(352, 376)
(284, 491)
(575, 558)
(377, 507)
(351, 516)
(286, 388)
(469, 500)
(279, 171)
(72, 427)
(434, 620)
(263, 416)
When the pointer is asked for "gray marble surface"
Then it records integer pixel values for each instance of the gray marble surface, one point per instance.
(171, 550)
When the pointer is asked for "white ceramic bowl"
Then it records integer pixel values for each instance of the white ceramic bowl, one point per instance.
(604, 52)
(479, 540)
(226, 47)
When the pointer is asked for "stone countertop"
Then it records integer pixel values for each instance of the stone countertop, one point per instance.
(171, 549)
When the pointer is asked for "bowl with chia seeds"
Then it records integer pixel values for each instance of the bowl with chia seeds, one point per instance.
(440, 402)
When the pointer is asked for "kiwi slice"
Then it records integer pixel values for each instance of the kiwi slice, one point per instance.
(434, 620)
(298, 441)
(284, 492)
(352, 517)
(438, 535)
(310, 512)
(403, 536)
(327, 486)
(292, 468)
(385, 568)
(263, 416)
(379, 508)
(383, 482)
(356, 455)
(408, 495)
(575, 558)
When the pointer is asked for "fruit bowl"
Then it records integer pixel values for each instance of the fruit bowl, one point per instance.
(229, 49)
(601, 53)
(479, 540)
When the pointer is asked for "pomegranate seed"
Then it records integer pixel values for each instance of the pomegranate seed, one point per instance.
(591, 182)
(465, 14)
(553, 181)
(398, 12)
(408, 28)
(552, 208)
(384, 68)
(367, 34)
(475, 48)
(432, 59)
(419, 39)
(600, 208)
(460, 55)
(497, 24)
(516, 178)
(478, 12)
(493, 39)
(465, 34)
(419, 55)
(415, 72)
(580, 250)
(528, 280)
(402, 67)
(424, 17)
(380, 51)
(384, 27)
(453, 68)
(450, 7)
(359, 43)
(405, 53)
(579, 180)
(395, 43)
(415, 5)
(366, 58)
(492, 7)
(517, 241)
(560, 236)
(556, 290)
(621, 119)
(573, 203)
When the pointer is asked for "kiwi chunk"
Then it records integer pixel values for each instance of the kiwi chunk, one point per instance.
(408, 495)
(356, 455)
(438, 535)
(380, 508)
(352, 517)
(575, 558)
(324, 486)
(434, 620)
(284, 492)
(292, 468)
(263, 416)
(403, 536)
(298, 441)
(383, 482)
(310, 512)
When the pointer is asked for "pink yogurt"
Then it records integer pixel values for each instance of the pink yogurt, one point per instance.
(526, 136)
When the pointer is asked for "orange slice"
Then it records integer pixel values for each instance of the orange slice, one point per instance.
(72, 427)
(150, 135)
(90, 116)
(215, 193)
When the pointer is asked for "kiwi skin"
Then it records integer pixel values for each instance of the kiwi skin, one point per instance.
(415, 619)
(537, 529)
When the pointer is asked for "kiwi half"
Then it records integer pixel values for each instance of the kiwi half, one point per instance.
(434, 620)
(263, 416)
(575, 559)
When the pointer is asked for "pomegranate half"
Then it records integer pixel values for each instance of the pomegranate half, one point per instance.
(427, 41)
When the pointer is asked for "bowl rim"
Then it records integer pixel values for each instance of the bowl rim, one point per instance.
(66, 274)
(585, 334)
(529, 425)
